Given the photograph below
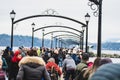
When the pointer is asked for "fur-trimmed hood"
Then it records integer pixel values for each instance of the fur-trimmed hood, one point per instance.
(31, 59)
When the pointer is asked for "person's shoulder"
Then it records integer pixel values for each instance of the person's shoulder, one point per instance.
(110, 67)
(111, 72)
(81, 64)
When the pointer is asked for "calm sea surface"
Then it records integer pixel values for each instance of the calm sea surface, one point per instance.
(114, 60)
(107, 51)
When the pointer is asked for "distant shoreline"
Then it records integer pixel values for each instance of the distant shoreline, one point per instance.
(91, 50)
(107, 51)
(114, 60)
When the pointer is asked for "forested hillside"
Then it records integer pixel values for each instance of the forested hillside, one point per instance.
(26, 41)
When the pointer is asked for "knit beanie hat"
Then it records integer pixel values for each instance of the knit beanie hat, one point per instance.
(110, 71)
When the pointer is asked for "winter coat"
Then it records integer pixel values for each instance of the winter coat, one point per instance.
(14, 68)
(4, 65)
(32, 68)
(69, 63)
(81, 65)
(2, 75)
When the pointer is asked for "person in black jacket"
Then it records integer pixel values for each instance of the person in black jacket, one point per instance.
(32, 67)
(14, 68)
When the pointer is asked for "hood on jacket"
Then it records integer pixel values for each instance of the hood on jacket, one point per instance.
(33, 65)
(31, 59)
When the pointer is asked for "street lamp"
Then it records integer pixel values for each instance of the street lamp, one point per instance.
(12, 15)
(80, 41)
(56, 43)
(43, 37)
(83, 29)
(51, 40)
(87, 18)
(59, 42)
(33, 25)
(97, 11)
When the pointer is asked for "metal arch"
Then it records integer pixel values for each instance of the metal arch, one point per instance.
(63, 38)
(66, 35)
(57, 26)
(61, 31)
(77, 40)
(69, 37)
(33, 16)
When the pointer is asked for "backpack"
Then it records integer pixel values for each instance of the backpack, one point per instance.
(2, 75)
(53, 74)
(80, 75)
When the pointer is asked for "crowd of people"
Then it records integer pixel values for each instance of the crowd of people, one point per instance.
(54, 64)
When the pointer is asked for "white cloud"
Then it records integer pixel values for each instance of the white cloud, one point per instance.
(70, 8)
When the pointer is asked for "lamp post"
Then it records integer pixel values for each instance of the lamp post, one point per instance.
(80, 42)
(83, 29)
(33, 25)
(51, 40)
(59, 42)
(56, 43)
(12, 15)
(87, 18)
(98, 12)
(43, 37)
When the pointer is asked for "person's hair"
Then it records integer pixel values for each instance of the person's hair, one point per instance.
(32, 52)
(85, 56)
(51, 59)
(92, 69)
(96, 64)
(105, 61)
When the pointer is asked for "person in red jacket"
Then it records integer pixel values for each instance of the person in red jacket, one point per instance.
(51, 63)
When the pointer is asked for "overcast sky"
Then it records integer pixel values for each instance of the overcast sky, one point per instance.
(75, 9)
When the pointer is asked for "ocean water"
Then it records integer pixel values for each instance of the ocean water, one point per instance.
(114, 60)
(107, 51)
